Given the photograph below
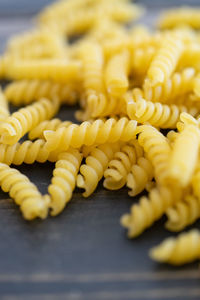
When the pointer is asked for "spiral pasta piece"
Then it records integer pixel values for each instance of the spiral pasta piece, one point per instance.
(166, 59)
(25, 119)
(36, 44)
(92, 69)
(24, 92)
(141, 60)
(54, 124)
(179, 84)
(149, 210)
(184, 155)
(141, 174)
(59, 70)
(187, 119)
(25, 193)
(183, 214)
(4, 110)
(156, 114)
(28, 152)
(157, 149)
(98, 132)
(96, 163)
(180, 16)
(118, 168)
(116, 73)
(64, 180)
(178, 251)
(102, 106)
(92, 74)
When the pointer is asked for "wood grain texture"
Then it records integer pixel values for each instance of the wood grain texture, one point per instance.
(83, 254)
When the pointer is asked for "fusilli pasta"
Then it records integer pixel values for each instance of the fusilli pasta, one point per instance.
(141, 174)
(25, 193)
(177, 251)
(64, 179)
(119, 167)
(98, 132)
(20, 122)
(96, 163)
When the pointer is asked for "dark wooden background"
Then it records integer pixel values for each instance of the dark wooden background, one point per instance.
(83, 254)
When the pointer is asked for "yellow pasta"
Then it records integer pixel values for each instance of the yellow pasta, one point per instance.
(119, 167)
(184, 155)
(195, 181)
(141, 60)
(184, 15)
(148, 210)
(102, 106)
(96, 163)
(25, 193)
(156, 114)
(20, 122)
(116, 74)
(54, 124)
(93, 73)
(178, 251)
(27, 152)
(24, 92)
(36, 44)
(183, 214)
(64, 179)
(157, 149)
(141, 174)
(179, 84)
(196, 85)
(60, 70)
(98, 132)
(4, 110)
(165, 60)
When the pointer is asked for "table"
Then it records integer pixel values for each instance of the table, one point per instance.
(83, 254)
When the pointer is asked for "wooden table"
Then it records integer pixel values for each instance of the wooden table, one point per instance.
(83, 254)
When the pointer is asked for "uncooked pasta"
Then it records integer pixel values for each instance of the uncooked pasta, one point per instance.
(137, 97)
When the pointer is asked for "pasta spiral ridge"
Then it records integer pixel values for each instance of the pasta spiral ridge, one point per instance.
(102, 106)
(183, 214)
(28, 152)
(54, 124)
(98, 132)
(157, 149)
(141, 174)
(64, 180)
(182, 162)
(180, 250)
(25, 193)
(24, 92)
(147, 211)
(156, 114)
(179, 84)
(93, 69)
(96, 163)
(116, 73)
(119, 167)
(20, 122)
(166, 59)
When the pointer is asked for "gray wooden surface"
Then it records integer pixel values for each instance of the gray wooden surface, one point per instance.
(83, 254)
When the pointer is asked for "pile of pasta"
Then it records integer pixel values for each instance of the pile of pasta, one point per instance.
(131, 83)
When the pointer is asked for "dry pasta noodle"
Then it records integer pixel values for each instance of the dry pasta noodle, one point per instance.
(130, 83)
(180, 250)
